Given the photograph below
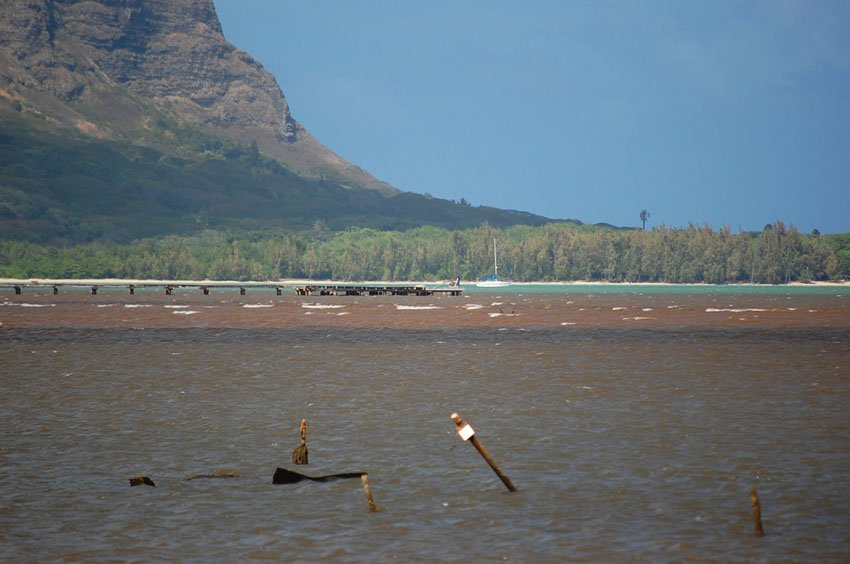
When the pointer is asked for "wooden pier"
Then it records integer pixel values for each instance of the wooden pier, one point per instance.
(372, 290)
(167, 286)
(205, 287)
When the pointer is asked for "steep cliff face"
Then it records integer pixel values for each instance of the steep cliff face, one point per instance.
(75, 59)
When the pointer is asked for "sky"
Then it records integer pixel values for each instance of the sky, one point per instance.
(726, 113)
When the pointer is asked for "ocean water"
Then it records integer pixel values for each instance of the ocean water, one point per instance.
(634, 423)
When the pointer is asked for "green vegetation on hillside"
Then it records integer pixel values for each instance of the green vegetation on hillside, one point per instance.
(555, 252)
(59, 186)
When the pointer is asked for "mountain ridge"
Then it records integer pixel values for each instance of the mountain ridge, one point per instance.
(144, 104)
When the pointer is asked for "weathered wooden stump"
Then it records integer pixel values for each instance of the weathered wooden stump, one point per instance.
(754, 501)
(141, 481)
(299, 453)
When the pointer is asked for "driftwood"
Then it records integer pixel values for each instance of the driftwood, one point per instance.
(284, 476)
(141, 481)
(216, 474)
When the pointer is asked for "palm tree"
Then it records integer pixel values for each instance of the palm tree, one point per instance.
(644, 215)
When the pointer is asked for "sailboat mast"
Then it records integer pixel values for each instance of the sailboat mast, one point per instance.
(495, 260)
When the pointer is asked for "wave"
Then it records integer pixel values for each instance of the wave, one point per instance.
(184, 312)
(322, 306)
(251, 306)
(399, 306)
(733, 310)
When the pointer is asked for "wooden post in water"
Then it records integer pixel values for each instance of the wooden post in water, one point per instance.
(364, 479)
(299, 453)
(754, 500)
(467, 433)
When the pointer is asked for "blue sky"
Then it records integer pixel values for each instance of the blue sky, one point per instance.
(724, 112)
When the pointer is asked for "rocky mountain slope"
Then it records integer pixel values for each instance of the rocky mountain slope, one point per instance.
(172, 52)
(128, 118)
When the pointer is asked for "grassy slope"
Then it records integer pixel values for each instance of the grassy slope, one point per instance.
(60, 186)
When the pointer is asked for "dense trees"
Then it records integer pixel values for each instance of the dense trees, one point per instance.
(554, 252)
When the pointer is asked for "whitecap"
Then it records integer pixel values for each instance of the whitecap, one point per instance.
(343, 313)
(647, 309)
(497, 314)
(38, 305)
(472, 306)
(733, 310)
(497, 303)
(566, 323)
(176, 307)
(637, 318)
(618, 308)
(399, 306)
(106, 305)
(137, 305)
(253, 306)
(184, 312)
(322, 306)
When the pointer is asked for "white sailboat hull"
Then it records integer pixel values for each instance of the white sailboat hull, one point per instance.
(493, 283)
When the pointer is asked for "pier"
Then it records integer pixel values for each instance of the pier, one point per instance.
(167, 286)
(205, 287)
(372, 290)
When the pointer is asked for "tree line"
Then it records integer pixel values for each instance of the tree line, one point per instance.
(554, 252)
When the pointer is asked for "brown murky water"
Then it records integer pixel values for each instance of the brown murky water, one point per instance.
(634, 423)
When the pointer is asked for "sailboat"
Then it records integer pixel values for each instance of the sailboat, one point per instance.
(493, 281)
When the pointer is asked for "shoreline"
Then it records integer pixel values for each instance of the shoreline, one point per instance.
(306, 282)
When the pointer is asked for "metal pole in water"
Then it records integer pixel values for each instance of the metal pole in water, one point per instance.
(467, 433)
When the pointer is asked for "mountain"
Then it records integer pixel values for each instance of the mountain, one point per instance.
(128, 118)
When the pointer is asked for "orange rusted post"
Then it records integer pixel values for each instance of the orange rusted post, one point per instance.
(467, 433)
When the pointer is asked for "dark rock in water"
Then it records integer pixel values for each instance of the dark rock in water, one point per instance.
(284, 476)
(217, 474)
(141, 481)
